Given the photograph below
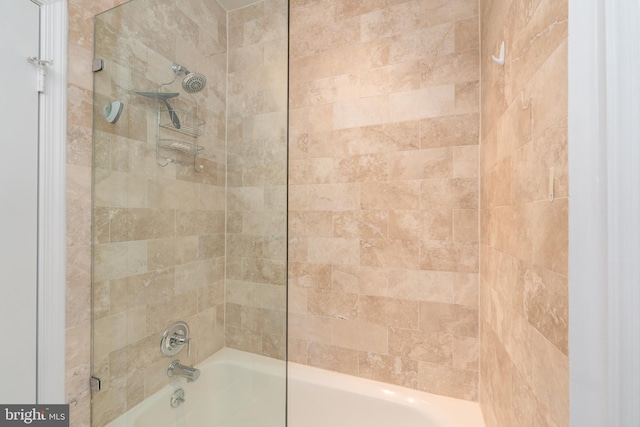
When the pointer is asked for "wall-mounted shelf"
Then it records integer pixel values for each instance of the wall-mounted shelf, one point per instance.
(181, 146)
(190, 124)
(180, 120)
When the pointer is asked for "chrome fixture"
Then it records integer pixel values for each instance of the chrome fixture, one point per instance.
(177, 398)
(193, 82)
(174, 339)
(180, 370)
(164, 96)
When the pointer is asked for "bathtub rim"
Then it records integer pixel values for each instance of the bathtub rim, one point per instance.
(448, 411)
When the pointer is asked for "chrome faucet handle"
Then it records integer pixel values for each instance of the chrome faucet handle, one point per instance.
(181, 340)
(174, 338)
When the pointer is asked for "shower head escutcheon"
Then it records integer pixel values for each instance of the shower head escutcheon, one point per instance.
(192, 82)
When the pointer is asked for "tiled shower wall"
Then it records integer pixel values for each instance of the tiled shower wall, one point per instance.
(78, 197)
(159, 232)
(158, 254)
(383, 197)
(359, 102)
(524, 242)
(256, 180)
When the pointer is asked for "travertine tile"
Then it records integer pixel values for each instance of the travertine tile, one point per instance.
(389, 253)
(550, 381)
(334, 197)
(453, 319)
(311, 328)
(244, 340)
(467, 34)
(359, 280)
(311, 67)
(333, 358)
(305, 275)
(524, 284)
(455, 193)
(449, 131)
(465, 161)
(430, 41)
(389, 369)
(339, 251)
(163, 253)
(388, 137)
(514, 127)
(456, 67)
(543, 296)
(465, 225)
(441, 100)
(389, 79)
(390, 195)
(421, 285)
(421, 164)
(405, 225)
(332, 303)
(359, 335)
(420, 346)
(437, 224)
(389, 311)
(551, 235)
(449, 256)
(532, 165)
(549, 102)
(357, 57)
(260, 270)
(360, 112)
(465, 352)
(465, 288)
(362, 224)
(383, 149)
(454, 382)
(141, 224)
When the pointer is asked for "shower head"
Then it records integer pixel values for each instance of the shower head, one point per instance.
(193, 82)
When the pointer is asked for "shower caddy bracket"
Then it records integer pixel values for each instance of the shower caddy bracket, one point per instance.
(190, 125)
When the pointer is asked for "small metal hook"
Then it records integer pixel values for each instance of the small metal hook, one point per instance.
(499, 60)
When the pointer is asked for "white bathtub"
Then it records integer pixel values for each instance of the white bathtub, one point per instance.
(238, 389)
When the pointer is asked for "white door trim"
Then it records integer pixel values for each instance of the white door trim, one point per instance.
(52, 206)
(622, 29)
(587, 215)
(604, 212)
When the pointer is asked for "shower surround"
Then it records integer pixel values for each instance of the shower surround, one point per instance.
(383, 196)
(159, 232)
(350, 134)
(524, 364)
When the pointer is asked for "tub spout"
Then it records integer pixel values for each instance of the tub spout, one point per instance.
(188, 372)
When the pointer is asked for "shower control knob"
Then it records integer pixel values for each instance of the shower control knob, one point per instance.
(174, 339)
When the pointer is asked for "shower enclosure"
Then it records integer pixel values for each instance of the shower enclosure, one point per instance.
(189, 193)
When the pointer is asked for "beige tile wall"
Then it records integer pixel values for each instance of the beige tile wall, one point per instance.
(159, 232)
(383, 197)
(79, 162)
(257, 177)
(524, 374)
(373, 101)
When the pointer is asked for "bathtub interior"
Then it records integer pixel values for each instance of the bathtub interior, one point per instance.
(238, 389)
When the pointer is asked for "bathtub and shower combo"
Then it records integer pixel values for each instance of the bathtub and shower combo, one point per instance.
(190, 232)
(236, 388)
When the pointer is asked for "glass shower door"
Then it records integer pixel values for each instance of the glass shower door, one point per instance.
(189, 213)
